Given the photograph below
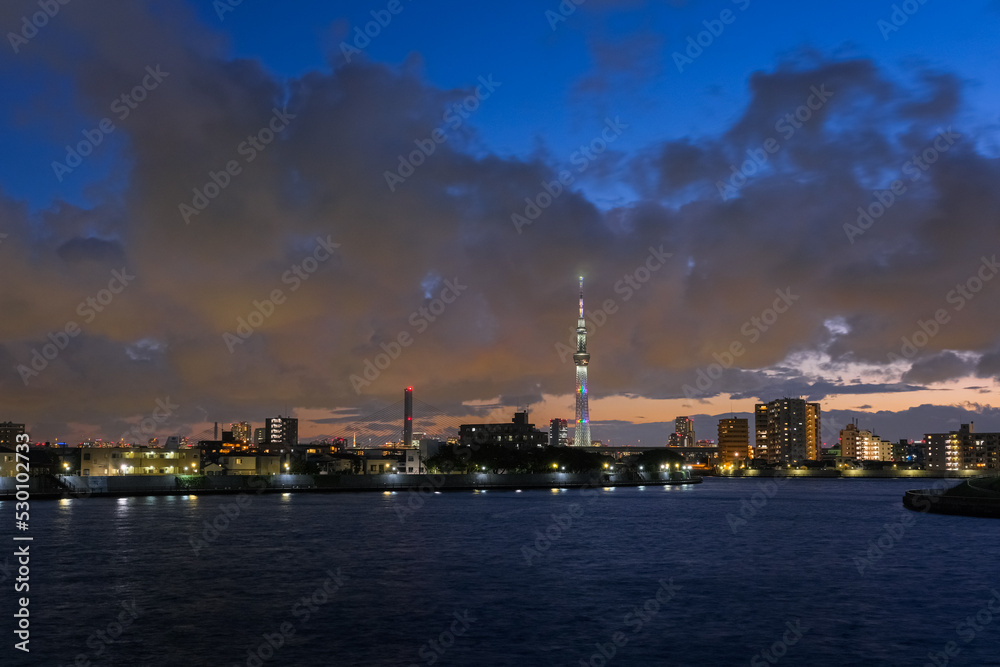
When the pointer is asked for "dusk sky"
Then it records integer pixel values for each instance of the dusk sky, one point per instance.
(235, 208)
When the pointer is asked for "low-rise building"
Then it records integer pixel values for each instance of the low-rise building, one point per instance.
(8, 461)
(108, 461)
(249, 464)
(704, 455)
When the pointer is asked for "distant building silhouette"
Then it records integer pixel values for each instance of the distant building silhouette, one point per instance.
(9, 432)
(518, 434)
(242, 432)
(558, 433)
(684, 432)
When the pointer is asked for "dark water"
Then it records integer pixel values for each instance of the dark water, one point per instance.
(787, 580)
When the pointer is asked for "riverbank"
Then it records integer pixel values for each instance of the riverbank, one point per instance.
(979, 498)
(830, 473)
(71, 486)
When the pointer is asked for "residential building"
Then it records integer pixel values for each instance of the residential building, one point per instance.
(9, 432)
(8, 461)
(242, 433)
(875, 448)
(963, 449)
(519, 434)
(734, 440)
(413, 461)
(251, 464)
(684, 430)
(281, 431)
(108, 461)
(787, 431)
(558, 433)
(863, 445)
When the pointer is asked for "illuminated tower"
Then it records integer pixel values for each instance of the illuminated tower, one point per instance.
(581, 437)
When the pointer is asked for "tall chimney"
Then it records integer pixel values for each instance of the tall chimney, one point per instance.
(408, 417)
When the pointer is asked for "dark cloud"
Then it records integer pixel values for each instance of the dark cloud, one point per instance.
(449, 223)
(91, 249)
(939, 368)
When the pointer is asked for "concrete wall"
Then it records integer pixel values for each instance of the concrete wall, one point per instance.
(862, 474)
(83, 486)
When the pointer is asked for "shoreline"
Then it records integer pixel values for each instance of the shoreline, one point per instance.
(56, 487)
(171, 485)
(980, 499)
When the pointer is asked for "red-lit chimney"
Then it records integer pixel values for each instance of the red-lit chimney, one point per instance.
(408, 417)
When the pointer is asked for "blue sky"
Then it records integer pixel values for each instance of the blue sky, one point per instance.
(542, 106)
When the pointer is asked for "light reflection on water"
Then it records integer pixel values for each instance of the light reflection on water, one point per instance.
(407, 574)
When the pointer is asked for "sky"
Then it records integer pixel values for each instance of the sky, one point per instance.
(222, 211)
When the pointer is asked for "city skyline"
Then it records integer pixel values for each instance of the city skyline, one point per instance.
(280, 219)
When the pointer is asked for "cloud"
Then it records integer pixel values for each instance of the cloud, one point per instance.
(323, 176)
(940, 368)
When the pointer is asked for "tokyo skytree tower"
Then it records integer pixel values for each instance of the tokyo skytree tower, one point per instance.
(581, 437)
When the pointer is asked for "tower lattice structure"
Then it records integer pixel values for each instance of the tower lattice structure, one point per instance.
(581, 436)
